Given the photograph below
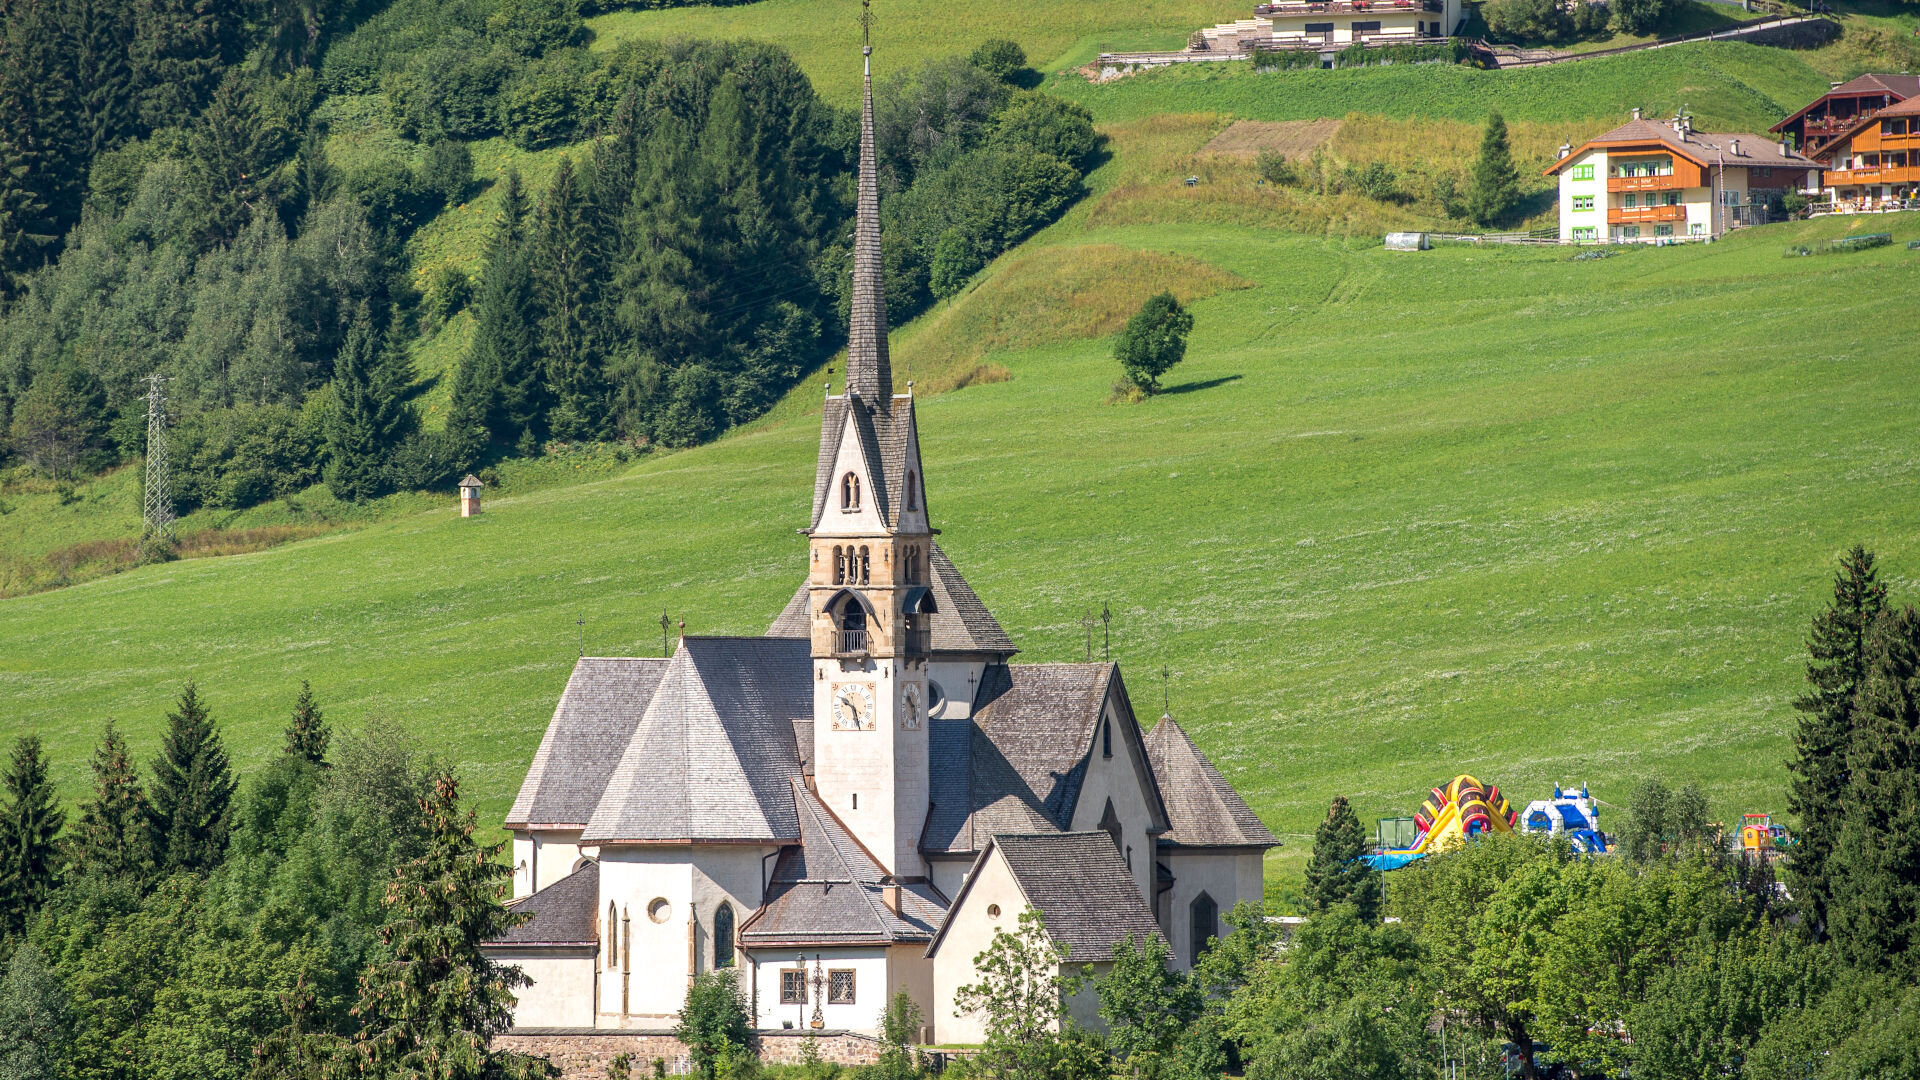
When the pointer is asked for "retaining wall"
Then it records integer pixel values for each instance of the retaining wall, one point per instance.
(583, 1054)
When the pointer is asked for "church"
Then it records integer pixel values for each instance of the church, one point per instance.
(851, 805)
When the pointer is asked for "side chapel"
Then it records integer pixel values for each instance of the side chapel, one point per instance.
(851, 805)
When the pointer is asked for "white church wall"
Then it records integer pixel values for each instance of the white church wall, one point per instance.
(948, 875)
(874, 780)
(661, 945)
(1227, 875)
(958, 680)
(910, 970)
(993, 901)
(560, 988)
(870, 988)
(1119, 778)
(725, 874)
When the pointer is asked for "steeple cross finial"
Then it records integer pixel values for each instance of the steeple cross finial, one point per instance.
(866, 24)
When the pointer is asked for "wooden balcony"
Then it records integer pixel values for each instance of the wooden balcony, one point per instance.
(849, 643)
(1873, 174)
(1342, 7)
(1639, 215)
(1648, 183)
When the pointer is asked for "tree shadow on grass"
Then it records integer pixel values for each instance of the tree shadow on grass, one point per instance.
(1208, 384)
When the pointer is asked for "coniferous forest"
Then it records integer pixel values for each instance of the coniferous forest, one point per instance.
(167, 205)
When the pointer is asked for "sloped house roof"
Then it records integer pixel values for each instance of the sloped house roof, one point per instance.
(1203, 808)
(1080, 886)
(591, 727)
(562, 914)
(1704, 148)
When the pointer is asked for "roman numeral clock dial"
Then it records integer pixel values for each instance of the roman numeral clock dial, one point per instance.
(853, 707)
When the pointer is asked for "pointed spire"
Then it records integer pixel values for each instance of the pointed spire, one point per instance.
(869, 372)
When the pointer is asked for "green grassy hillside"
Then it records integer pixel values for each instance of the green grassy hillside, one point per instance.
(1399, 516)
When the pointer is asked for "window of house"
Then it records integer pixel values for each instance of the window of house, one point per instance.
(866, 566)
(1629, 200)
(1371, 26)
(840, 987)
(1319, 28)
(1206, 925)
(1698, 228)
(1663, 230)
(1583, 172)
(1587, 233)
(613, 935)
(849, 492)
(1673, 198)
(793, 986)
(723, 937)
(1630, 232)
(1583, 202)
(839, 565)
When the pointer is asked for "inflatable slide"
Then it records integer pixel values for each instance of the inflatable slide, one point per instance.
(1463, 808)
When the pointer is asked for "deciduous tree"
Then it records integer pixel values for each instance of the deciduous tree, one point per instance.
(36, 1019)
(1154, 340)
(1146, 1003)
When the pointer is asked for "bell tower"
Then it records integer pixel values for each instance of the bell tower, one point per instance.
(869, 572)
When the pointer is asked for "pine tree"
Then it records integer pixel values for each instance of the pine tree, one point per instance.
(192, 789)
(234, 150)
(1836, 664)
(1874, 911)
(1496, 183)
(36, 1019)
(100, 37)
(178, 51)
(307, 734)
(30, 217)
(30, 863)
(498, 393)
(430, 1007)
(661, 277)
(1337, 873)
(568, 269)
(115, 833)
(370, 416)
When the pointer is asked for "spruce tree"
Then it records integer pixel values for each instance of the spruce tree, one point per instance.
(1836, 664)
(498, 392)
(29, 218)
(192, 789)
(36, 1019)
(1337, 872)
(100, 36)
(307, 734)
(1874, 912)
(178, 50)
(1496, 182)
(433, 1003)
(30, 823)
(370, 415)
(114, 835)
(569, 271)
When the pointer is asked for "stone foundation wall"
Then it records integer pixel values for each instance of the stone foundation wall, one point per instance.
(584, 1054)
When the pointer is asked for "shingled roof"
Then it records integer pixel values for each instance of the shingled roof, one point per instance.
(591, 726)
(714, 756)
(1079, 884)
(831, 891)
(960, 622)
(1202, 806)
(1701, 147)
(564, 913)
(1017, 765)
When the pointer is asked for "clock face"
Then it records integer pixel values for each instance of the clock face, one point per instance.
(910, 710)
(853, 707)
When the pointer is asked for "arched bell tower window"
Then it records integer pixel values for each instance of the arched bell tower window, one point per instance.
(866, 566)
(839, 565)
(849, 493)
(723, 936)
(1206, 925)
(913, 492)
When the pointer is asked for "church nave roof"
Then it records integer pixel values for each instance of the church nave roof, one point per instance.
(591, 726)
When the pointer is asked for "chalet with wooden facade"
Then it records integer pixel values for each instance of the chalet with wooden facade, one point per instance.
(1310, 24)
(1837, 111)
(1652, 183)
(1875, 164)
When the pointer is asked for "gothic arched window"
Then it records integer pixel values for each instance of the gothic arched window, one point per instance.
(613, 935)
(913, 495)
(1106, 737)
(850, 492)
(1206, 925)
(723, 937)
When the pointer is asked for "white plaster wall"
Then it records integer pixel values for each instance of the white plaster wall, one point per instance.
(958, 680)
(726, 874)
(968, 933)
(870, 988)
(910, 970)
(949, 875)
(865, 520)
(522, 863)
(1227, 875)
(1119, 778)
(1595, 218)
(561, 991)
(653, 960)
(875, 781)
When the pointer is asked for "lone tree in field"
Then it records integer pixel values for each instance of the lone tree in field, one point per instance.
(1155, 339)
(1836, 665)
(1336, 874)
(1496, 183)
(29, 824)
(192, 789)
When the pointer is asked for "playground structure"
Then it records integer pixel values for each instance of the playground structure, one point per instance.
(1576, 817)
(1464, 808)
(1760, 838)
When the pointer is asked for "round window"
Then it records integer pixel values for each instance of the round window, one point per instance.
(936, 698)
(659, 910)
(993, 911)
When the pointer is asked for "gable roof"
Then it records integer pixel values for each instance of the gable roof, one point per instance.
(829, 890)
(960, 621)
(1079, 884)
(1899, 87)
(1909, 107)
(564, 913)
(886, 432)
(1204, 809)
(714, 756)
(591, 726)
(1018, 763)
(1705, 148)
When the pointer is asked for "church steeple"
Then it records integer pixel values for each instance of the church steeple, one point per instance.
(869, 372)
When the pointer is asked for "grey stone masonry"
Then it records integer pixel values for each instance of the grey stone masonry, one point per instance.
(869, 371)
(580, 1055)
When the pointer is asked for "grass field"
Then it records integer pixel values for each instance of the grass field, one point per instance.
(1399, 516)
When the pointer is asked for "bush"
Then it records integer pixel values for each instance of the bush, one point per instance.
(447, 170)
(547, 99)
(1375, 180)
(1042, 123)
(1000, 58)
(1640, 16)
(1526, 20)
(234, 458)
(1274, 168)
(449, 90)
(448, 290)
(1154, 340)
(714, 1023)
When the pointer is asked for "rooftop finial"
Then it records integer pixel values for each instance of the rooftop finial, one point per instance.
(869, 371)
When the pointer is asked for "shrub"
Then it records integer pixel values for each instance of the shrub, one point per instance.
(1640, 16)
(1000, 58)
(1526, 20)
(1045, 124)
(547, 99)
(1154, 340)
(1274, 168)
(1375, 180)
(447, 170)
(714, 1023)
